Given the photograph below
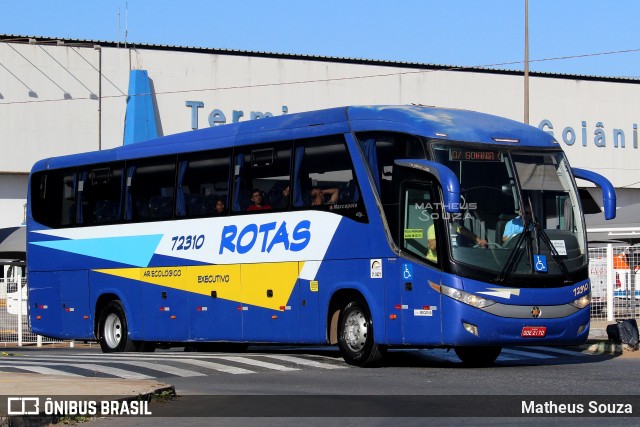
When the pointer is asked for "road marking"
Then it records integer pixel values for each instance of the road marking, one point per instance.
(448, 355)
(165, 368)
(177, 358)
(116, 372)
(87, 366)
(556, 350)
(127, 361)
(451, 356)
(216, 366)
(304, 362)
(507, 358)
(527, 354)
(41, 370)
(99, 362)
(253, 362)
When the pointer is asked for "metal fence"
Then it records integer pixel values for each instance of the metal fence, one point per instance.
(14, 327)
(615, 278)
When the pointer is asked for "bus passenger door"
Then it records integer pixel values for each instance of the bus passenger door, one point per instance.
(418, 270)
(421, 312)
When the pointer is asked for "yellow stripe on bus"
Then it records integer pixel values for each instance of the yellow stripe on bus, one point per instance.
(267, 285)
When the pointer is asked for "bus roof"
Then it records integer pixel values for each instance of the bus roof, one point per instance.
(431, 122)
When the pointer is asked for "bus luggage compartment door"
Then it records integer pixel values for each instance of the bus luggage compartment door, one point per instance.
(54, 296)
(216, 310)
(167, 313)
(271, 309)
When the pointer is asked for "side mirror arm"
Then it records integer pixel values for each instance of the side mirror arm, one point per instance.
(445, 176)
(608, 192)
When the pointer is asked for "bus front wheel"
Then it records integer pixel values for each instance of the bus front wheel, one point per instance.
(478, 356)
(114, 334)
(355, 335)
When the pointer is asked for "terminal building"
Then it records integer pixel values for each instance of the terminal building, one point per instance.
(62, 96)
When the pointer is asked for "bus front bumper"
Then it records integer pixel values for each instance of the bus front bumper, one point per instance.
(475, 327)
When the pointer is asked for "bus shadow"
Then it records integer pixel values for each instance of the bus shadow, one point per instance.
(508, 358)
(443, 358)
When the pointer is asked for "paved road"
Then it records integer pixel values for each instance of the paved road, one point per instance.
(168, 364)
(431, 379)
(266, 378)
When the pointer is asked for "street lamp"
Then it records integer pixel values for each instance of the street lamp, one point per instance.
(526, 61)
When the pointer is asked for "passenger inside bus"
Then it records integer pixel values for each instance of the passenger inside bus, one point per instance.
(257, 201)
(327, 196)
(220, 207)
(432, 254)
(282, 199)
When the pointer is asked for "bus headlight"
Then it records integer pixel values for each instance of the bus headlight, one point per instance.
(582, 302)
(465, 297)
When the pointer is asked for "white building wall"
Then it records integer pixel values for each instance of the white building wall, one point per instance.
(43, 123)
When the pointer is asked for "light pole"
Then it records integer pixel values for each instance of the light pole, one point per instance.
(526, 61)
(99, 49)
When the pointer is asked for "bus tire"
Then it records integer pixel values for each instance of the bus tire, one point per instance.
(478, 356)
(113, 330)
(355, 335)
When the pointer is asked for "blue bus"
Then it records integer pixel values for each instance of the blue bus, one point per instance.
(365, 227)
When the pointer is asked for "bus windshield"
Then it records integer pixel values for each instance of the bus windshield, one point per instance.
(515, 207)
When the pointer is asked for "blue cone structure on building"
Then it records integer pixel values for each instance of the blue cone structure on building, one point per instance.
(140, 121)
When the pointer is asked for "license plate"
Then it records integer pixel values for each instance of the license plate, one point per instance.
(534, 331)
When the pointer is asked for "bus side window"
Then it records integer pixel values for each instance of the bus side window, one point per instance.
(203, 182)
(324, 176)
(419, 231)
(54, 204)
(265, 170)
(150, 189)
(100, 195)
(381, 149)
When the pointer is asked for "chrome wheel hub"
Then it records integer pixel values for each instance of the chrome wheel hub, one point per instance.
(355, 331)
(112, 330)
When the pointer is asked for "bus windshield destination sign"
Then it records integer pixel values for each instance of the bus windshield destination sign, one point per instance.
(475, 155)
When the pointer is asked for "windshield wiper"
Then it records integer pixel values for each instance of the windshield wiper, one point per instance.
(538, 233)
(529, 224)
(514, 256)
(554, 253)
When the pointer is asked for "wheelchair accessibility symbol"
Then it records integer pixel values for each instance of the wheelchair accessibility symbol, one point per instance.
(407, 271)
(540, 263)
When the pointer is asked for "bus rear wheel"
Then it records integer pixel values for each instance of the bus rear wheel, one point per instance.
(355, 335)
(113, 330)
(478, 356)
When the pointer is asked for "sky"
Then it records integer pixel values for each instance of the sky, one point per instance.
(583, 37)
